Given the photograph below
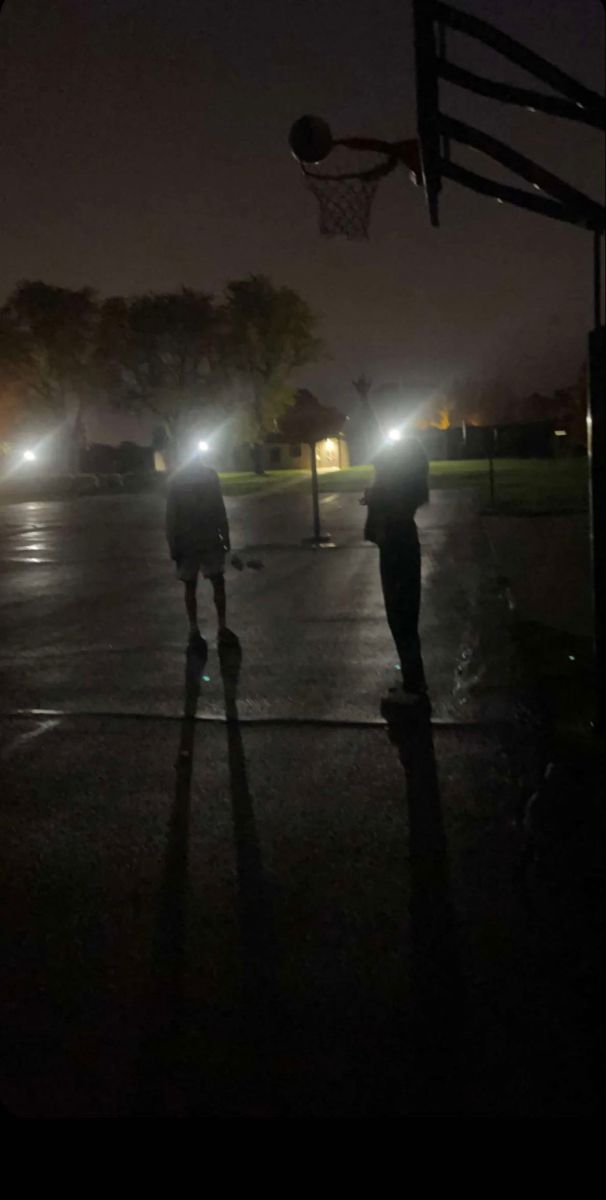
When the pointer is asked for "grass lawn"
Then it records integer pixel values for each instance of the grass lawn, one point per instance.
(244, 483)
(522, 486)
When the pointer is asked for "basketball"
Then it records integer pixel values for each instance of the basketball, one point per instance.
(310, 139)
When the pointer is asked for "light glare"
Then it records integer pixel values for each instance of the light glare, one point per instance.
(203, 447)
(29, 456)
(394, 435)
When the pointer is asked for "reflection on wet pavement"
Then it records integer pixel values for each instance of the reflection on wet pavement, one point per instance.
(313, 625)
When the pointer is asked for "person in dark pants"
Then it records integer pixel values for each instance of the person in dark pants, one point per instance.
(198, 536)
(400, 487)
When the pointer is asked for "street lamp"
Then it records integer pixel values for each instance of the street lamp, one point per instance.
(394, 435)
(29, 456)
(203, 447)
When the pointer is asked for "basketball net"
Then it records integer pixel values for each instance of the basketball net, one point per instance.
(345, 201)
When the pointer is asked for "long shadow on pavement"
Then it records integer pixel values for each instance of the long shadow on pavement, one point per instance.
(260, 1000)
(435, 1085)
(173, 1079)
(159, 1093)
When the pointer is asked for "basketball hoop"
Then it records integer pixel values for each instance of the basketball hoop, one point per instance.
(345, 199)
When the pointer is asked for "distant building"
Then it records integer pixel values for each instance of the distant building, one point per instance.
(332, 454)
(104, 459)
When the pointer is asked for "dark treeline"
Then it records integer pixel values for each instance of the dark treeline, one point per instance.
(174, 355)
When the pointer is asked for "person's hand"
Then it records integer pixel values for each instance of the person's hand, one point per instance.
(236, 562)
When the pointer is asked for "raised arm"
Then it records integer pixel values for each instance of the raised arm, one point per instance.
(374, 429)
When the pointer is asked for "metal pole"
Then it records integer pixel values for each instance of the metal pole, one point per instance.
(314, 492)
(596, 450)
(597, 279)
(491, 466)
(442, 53)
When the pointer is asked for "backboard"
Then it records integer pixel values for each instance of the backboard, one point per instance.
(426, 69)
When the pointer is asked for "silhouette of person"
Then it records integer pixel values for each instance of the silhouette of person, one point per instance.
(401, 486)
(197, 531)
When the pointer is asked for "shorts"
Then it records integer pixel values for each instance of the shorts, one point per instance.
(208, 563)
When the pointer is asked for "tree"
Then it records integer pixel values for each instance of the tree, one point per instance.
(535, 407)
(47, 345)
(363, 386)
(396, 403)
(571, 408)
(479, 401)
(391, 405)
(366, 429)
(270, 332)
(442, 418)
(160, 353)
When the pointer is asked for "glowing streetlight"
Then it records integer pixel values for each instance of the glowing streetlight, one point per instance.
(394, 435)
(29, 456)
(203, 447)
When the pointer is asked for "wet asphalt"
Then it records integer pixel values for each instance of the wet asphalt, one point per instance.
(233, 891)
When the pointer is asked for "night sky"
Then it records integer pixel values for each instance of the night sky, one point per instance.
(144, 146)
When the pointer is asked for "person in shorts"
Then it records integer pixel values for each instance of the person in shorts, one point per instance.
(197, 531)
(400, 487)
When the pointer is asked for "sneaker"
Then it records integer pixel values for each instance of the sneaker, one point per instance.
(197, 644)
(226, 637)
(403, 699)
